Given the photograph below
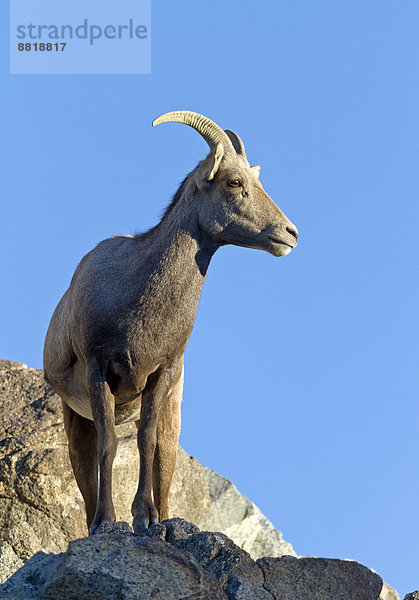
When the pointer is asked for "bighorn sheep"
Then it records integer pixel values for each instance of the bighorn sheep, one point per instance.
(114, 347)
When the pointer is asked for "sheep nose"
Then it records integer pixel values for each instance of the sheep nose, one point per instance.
(292, 230)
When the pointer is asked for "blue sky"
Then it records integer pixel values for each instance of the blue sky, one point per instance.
(300, 381)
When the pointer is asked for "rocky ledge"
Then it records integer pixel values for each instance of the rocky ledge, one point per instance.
(177, 561)
(233, 551)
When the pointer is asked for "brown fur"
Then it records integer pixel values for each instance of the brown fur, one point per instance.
(114, 347)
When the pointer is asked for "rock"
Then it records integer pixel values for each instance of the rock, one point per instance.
(27, 582)
(241, 520)
(178, 529)
(37, 486)
(388, 593)
(23, 540)
(114, 527)
(41, 510)
(215, 552)
(92, 567)
(246, 583)
(9, 561)
(290, 578)
(412, 596)
(157, 531)
(114, 565)
(196, 565)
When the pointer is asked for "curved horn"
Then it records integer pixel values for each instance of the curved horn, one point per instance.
(237, 143)
(209, 130)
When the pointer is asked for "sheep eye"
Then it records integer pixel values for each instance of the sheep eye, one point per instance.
(234, 183)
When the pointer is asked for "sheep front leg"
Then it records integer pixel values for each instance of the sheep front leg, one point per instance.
(159, 386)
(168, 430)
(103, 408)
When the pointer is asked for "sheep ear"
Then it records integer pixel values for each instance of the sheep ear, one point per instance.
(209, 167)
(255, 170)
(215, 157)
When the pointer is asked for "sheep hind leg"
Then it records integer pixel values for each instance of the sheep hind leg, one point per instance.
(164, 463)
(82, 446)
(102, 404)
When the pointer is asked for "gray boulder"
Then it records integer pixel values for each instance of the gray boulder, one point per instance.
(9, 561)
(127, 567)
(194, 565)
(22, 539)
(28, 581)
(290, 578)
(308, 578)
(215, 552)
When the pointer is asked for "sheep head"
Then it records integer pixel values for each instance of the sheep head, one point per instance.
(234, 208)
